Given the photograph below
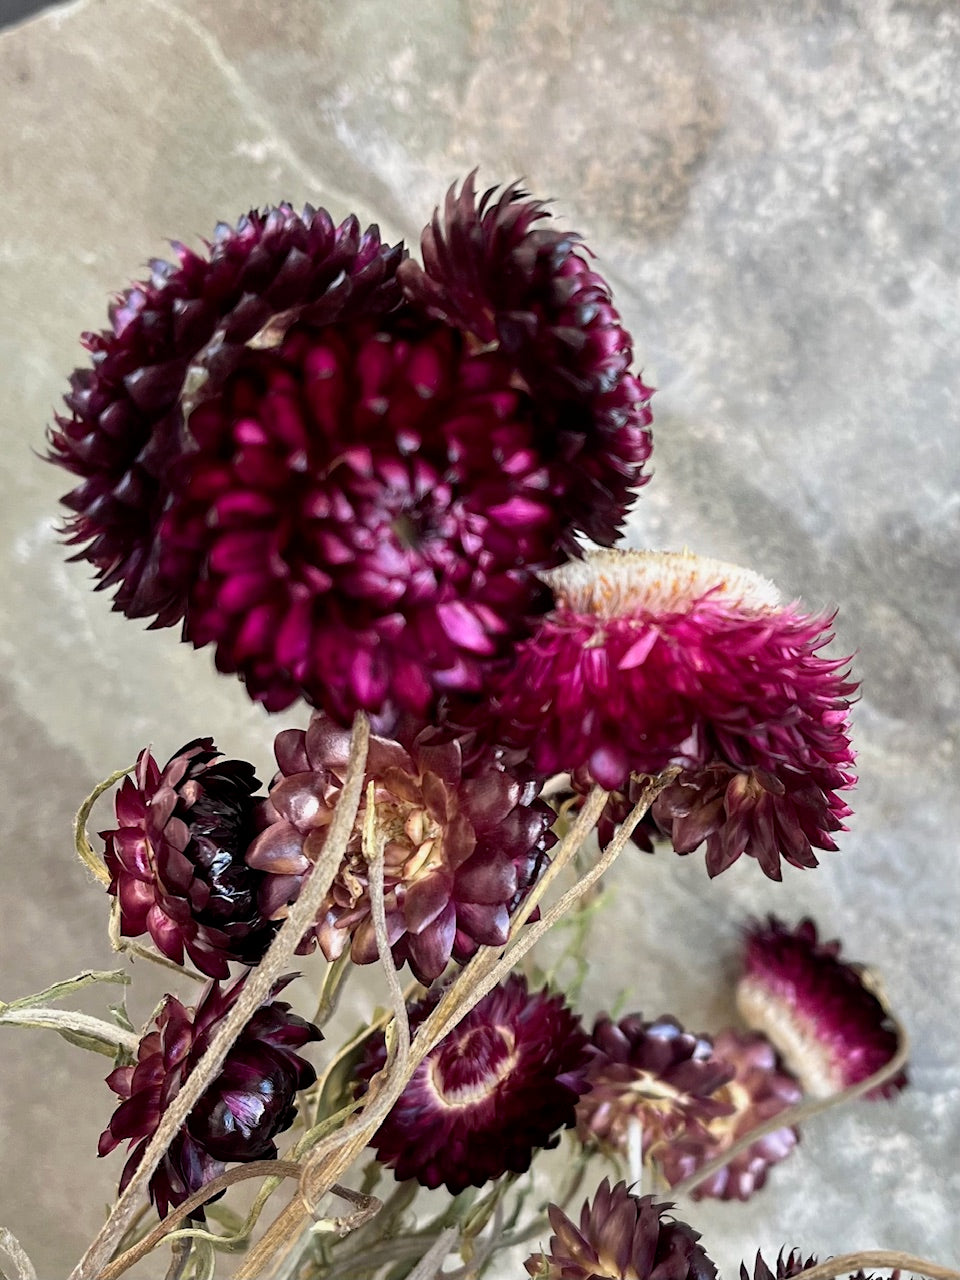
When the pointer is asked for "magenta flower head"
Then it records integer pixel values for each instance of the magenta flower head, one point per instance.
(237, 1118)
(498, 270)
(652, 659)
(184, 327)
(176, 860)
(492, 1092)
(462, 845)
(666, 1079)
(621, 1237)
(759, 1090)
(819, 1011)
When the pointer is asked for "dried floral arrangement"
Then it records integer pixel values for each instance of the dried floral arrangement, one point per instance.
(393, 490)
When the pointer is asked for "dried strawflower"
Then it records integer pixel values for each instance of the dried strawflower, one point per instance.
(666, 1080)
(185, 327)
(493, 1092)
(176, 860)
(759, 1090)
(621, 1236)
(250, 1101)
(496, 270)
(359, 512)
(462, 845)
(792, 1264)
(652, 659)
(788, 1265)
(819, 1011)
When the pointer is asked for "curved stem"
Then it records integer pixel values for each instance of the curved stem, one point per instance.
(81, 841)
(802, 1112)
(889, 1261)
(256, 991)
(84, 1025)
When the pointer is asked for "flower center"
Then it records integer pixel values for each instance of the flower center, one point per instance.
(796, 1038)
(468, 1070)
(612, 583)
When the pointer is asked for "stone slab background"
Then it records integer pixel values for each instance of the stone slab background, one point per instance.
(773, 191)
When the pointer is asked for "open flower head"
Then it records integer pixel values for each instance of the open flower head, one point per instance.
(658, 1076)
(462, 845)
(250, 1101)
(359, 513)
(495, 1090)
(820, 1011)
(173, 335)
(499, 269)
(788, 1265)
(621, 1236)
(759, 1090)
(176, 860)
(651, 659)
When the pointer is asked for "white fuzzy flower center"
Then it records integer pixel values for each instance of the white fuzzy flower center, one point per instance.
(612, 583)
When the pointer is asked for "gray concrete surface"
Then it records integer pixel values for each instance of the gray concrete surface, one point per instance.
(773, 191)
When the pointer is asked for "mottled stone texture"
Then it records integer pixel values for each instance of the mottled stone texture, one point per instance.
(773, 190)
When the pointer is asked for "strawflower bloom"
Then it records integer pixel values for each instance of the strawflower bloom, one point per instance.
(359, 512)
(462, 845)
(495, 1090)
(655, 1074)
(817, 1009)
(176, 860)
(178, 334)
(759, 1090)
(498, 269)
(792, 1264)
(246, 1105)
(621, 1236)
(651, 659)
(788, 1265)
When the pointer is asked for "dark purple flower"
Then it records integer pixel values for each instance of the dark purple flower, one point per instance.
(652, 659)
(495, 270)
(173, 338)
(176, 860)
(492, 1092)
(818, 1010)
(621, 1237)
(237, 1118)
(666, 1079)
(759, 1090)
(462, 845)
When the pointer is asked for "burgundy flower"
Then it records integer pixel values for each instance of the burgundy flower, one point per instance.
(818, 1010)
(651, 659)
(176, 860)
(792, 1264)
(492, 269)
(621, 1237)
(491, 1093)
(251, 1100)
(788, 1266)
(185, 326)
(667, 1079)
(462, 845)
(378, 504)
(759, 1090)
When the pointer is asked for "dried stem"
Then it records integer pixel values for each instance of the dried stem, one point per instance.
(12, 1247)
(243, 1172)
(432, 1260)
(888, 1261)
(255, 992)
(479, 976)
(81, 841)
(802, 1112)
(83, 1025)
